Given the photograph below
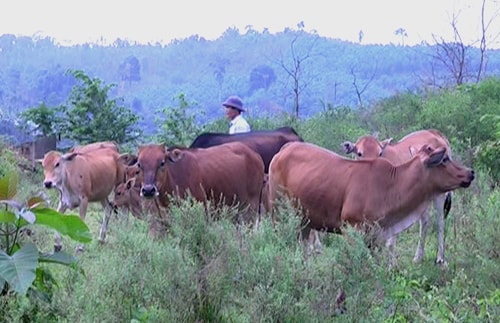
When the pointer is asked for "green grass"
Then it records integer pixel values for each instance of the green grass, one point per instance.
(210, 270)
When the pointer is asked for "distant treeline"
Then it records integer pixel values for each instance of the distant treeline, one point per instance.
(287, 72)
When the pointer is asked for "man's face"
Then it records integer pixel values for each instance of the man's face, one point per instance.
(231, 113)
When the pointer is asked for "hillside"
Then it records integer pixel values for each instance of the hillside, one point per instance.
(260, 67)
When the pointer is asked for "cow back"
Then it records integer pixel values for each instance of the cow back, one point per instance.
(233, 171)
(265, 142)
(332, 189)
(95, 146)
(94, 173)
(402, 150)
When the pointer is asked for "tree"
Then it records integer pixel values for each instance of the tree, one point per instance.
(219, 72)
(453, 55)
(130, 69)
(485, 27)
(299, 53)
(261, 77)
(402, 33)
(90, 116)
(360, 89)
(43, 117)
(177, 127)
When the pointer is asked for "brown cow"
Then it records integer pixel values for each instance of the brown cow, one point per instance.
(398, 153)
(83, 177)
(94, 146)
(334, 190)
(231, 173)
(127, 197)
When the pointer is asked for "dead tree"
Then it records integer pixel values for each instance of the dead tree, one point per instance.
(360, 89)
(295, 70)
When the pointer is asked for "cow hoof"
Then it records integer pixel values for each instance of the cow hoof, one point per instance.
(57, 248)
(442, 263)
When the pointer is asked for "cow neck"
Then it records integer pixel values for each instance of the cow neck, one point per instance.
(393, 154)
(407, 186)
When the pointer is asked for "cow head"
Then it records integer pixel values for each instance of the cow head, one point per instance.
(51, 164)
(152, 161)
(126, 194)
(127, 159)
(366, 147)
(448, 174)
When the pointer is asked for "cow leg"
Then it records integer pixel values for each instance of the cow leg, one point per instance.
(313, 242)
(391, 248)
(424, 226)
(309, 241)
(318, 246)
(158, 220)
(107, 215)
(439, 203)
(57, 237)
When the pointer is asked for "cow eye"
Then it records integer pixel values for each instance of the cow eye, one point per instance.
(162, 163)
(56, 165)
(445, 160)
(360, 155)
(139, 166)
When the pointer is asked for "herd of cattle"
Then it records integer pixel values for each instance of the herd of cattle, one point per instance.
(387, 185)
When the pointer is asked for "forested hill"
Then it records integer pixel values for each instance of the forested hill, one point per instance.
(264, 69)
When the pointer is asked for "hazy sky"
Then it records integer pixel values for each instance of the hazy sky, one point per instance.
(78, 21)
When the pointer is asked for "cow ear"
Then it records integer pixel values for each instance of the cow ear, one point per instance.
(386, 142)
(127, 159)
(348, 147)
(69, 156)
(130, 183)
(413, 151)
(436, 157)
(175, 155)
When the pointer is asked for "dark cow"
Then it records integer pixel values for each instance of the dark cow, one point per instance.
(265, 142)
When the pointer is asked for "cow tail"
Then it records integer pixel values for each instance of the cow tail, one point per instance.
(261, 198)
(447, 204)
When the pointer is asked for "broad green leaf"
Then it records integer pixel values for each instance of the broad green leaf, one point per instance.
(8, 186)
(19, 269)
(69, 225)
(7, 217)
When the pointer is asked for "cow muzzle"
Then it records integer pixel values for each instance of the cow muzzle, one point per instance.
(48, 184)
(149, 191)
(469, 180)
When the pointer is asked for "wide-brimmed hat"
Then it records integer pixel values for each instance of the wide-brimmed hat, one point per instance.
(234, 102)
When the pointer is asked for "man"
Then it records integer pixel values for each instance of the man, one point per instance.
(234, 108)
